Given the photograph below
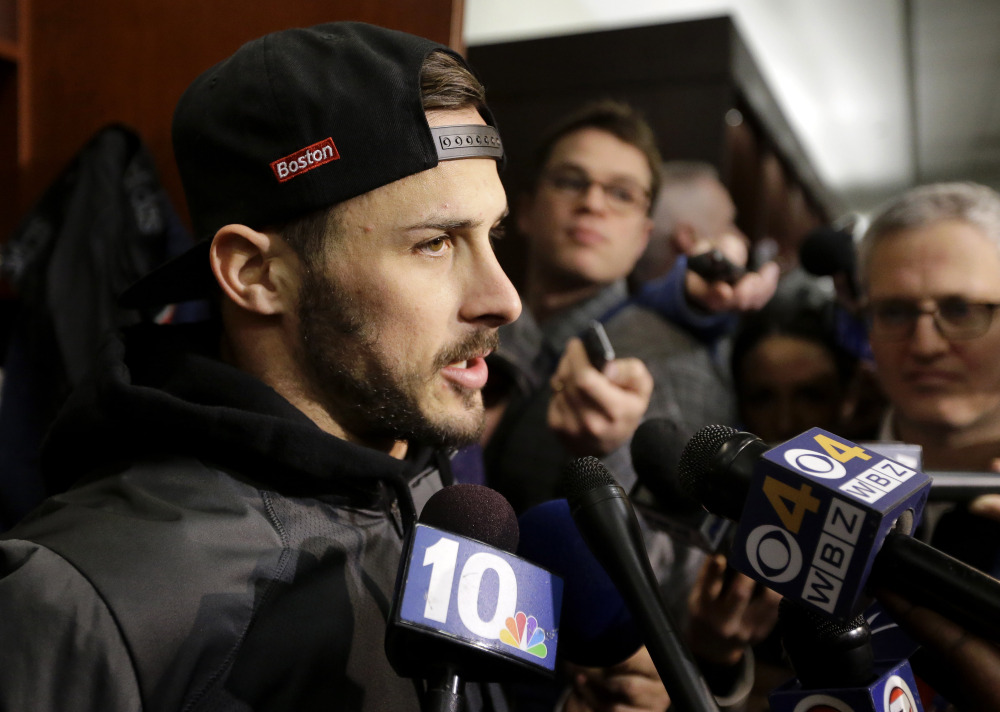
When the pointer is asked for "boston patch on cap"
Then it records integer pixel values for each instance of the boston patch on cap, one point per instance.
(305, 160)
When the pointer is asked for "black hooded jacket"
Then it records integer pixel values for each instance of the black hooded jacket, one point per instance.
(217, 550)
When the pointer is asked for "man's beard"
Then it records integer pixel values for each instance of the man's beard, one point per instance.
(360, 389)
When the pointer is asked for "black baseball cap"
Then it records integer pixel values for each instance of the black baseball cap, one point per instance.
(296, 121)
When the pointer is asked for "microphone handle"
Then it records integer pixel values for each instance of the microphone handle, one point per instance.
(445, 695)
(939, 582)
(608, 524)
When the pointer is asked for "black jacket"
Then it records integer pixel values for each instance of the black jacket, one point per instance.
(102, 224)
(220, 553)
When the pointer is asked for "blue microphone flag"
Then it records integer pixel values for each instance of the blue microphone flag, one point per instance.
(818, 510)
(459, 589)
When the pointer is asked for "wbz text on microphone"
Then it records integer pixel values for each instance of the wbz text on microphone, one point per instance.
(818, 511)
(466, 592)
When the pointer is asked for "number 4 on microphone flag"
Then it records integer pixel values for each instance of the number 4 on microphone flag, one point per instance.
(818, 510)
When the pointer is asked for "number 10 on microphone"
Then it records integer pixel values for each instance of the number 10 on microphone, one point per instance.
(461, 589)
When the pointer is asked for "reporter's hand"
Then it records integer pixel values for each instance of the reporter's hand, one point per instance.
(750, 292)
(970, 663)
(595, 412)
(728, 614)
(986, 505)
(631, 686)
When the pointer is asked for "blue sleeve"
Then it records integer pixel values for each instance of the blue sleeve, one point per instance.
(665, 295)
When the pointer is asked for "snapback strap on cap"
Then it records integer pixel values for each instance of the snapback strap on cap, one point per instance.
(467, 141)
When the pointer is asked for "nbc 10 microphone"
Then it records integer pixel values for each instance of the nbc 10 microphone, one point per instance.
(466, 608)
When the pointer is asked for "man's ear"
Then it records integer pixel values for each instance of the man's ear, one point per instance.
(684, 238)
(258, 271)
(647, 233)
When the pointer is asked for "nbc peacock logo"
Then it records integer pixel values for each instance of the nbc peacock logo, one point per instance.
(522, 632)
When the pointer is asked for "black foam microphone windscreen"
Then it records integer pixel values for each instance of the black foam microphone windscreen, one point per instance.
(826, 251)
(473, 511)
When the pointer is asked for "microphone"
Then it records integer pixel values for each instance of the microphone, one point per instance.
(603, 514)
(835, 666)
(656, 448)
(465, 608)
(824, 521)
(596, 628)
(826, 252)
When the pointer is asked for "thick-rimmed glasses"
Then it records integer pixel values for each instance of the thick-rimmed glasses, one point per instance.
(623, 196)
(955, 318)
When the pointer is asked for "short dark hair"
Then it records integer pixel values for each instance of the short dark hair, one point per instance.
(617, 118)
(793, 315)
(445, 84)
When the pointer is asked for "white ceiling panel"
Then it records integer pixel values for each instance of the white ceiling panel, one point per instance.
(881, 94)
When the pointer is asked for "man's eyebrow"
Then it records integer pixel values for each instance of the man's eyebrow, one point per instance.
(570, 165)
(566, 164)
(443, 225)
(446, 225)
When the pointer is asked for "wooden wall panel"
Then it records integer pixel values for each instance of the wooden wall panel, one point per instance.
(8, 144)
(741, 172)
(102, 61)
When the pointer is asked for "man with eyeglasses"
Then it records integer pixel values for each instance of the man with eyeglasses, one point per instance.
(586, 220)
(929, 266)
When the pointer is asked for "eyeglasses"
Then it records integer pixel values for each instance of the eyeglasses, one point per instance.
(955, 318)
(623, 196)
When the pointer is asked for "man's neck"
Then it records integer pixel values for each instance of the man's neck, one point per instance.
(972, 448)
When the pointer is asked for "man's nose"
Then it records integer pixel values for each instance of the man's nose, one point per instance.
(927, 338)
(491, 296)
(594, 197)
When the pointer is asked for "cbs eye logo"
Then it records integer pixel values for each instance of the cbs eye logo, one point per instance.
(774, 553)
(815, 464)
(821, 703)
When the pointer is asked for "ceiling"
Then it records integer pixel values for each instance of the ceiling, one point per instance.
(882, 94)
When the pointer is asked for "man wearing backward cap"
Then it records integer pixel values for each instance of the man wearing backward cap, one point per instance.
(243, 484)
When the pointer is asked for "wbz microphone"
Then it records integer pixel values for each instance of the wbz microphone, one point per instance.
(826, 522)
(835, 667)
(465, 608)
(658, 496)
